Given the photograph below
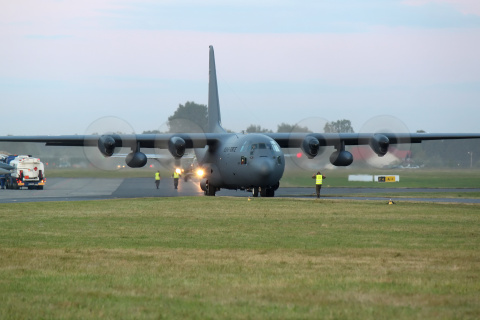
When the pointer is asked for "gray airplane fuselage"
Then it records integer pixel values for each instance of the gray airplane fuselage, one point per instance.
(243, 161)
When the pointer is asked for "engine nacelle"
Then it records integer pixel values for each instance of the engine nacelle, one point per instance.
(107, 145)
(176, 146)
(341, 158)
(136, 159)
(379, 144)
(310, 146)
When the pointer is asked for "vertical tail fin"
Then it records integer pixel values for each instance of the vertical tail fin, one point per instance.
(214, 118)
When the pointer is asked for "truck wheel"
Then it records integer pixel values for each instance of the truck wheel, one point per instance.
(40, 187)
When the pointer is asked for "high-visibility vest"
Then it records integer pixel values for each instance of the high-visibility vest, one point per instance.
(175, 175)
(157, 176)
(319, 179)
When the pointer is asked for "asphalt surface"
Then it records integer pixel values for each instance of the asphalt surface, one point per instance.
(76, 189)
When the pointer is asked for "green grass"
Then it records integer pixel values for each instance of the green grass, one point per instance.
(233, 258)
(409, 178)
(431, 195)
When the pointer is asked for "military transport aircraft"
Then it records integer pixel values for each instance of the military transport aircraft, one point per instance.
(236, 160)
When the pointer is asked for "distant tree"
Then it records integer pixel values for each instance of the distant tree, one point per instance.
(185, 115)
(338, 126)
(151, 132)
(257, 129)
(287, 128)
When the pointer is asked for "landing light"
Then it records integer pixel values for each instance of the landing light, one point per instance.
(200, 172)
(178, 170)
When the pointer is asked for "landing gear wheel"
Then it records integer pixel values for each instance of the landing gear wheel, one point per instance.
(267, 192)
(270, 192)
(263, 192)
(255, 192)
(211, 190)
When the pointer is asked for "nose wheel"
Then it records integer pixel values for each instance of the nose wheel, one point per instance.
(210, 190)
(264, 192)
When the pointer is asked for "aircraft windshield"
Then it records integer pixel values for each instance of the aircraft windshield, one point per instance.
(271, 145)
(260, 146)
(245, 146)
(275, 146)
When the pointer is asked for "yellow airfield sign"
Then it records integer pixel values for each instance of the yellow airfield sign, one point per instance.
(392, 178)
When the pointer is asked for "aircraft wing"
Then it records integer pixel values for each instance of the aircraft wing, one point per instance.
(110, 144)
(311, 143)
(295, 140)
(161, 141)
(176, 144)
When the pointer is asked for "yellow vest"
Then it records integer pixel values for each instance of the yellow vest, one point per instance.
(157, 176)
(175, 175)
(319, 179)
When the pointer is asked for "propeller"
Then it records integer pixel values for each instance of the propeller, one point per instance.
(300, 157)
(381, 126)
(97, 151)
(180, 126)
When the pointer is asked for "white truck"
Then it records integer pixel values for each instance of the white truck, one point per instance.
(27, 172)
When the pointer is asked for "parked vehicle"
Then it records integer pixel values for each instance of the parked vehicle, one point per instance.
(27, 172)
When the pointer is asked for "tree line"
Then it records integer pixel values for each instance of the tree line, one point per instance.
(193, 117)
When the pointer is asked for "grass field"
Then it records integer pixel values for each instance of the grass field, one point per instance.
(230, 258)
(409, 178)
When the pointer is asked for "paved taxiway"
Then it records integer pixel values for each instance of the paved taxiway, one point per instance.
(75, 189)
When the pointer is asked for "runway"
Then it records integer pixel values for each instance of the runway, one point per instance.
(77, 189)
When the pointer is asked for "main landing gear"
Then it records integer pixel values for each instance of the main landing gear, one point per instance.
(264, 192)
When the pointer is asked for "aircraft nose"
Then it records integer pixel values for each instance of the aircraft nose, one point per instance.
(263, 167)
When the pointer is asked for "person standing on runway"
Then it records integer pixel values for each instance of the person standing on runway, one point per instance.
(157, 179)
(318, 182)
(176, 176)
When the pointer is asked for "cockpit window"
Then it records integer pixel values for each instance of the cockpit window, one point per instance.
(244, 146)
(275, 146)
(272, 145)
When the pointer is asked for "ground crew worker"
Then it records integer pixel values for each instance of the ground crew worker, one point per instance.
(157, 179)
(318, 182)
(176, 176)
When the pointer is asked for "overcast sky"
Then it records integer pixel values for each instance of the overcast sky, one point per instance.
(66, 64)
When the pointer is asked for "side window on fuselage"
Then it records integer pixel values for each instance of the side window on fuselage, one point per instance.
(253, 147)
(244, 146)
